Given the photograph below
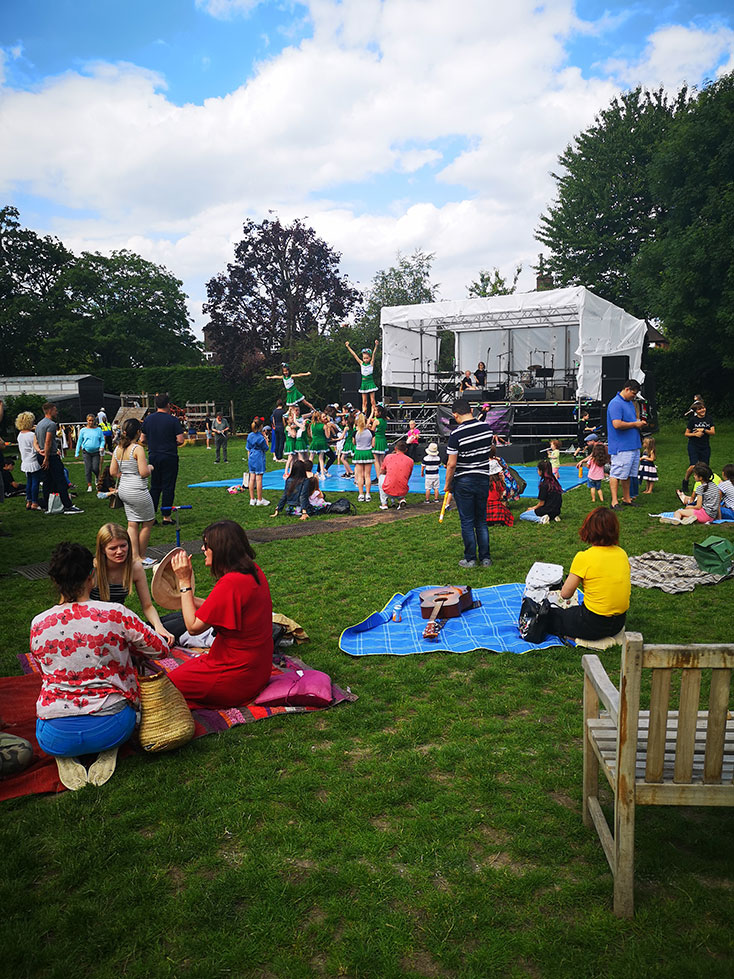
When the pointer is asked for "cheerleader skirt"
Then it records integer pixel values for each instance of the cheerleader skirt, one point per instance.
(294, 396)
(380, 444)
(368, 385)
(319, 444)
(290, 445)
(300, 444)
(363, 455)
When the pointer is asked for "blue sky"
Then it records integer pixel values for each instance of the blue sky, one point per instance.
(389, 124)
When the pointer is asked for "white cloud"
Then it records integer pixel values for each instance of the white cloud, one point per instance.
(227, 9)
(375, 98)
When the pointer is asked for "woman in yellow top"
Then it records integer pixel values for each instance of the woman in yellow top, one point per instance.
(603, 572)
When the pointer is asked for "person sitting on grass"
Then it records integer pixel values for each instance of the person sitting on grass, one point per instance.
(11, 487)
(726, 493)
(603, 572)
(295, 494)
(706, 507)
(395, 473)
(497, 510)
(90, 698)
(550, 497)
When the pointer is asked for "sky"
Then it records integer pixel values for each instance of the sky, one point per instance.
(387, 125)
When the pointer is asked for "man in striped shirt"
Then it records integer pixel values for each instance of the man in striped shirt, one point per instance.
(467, 477)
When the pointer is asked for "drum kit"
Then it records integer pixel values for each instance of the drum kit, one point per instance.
(447, 383)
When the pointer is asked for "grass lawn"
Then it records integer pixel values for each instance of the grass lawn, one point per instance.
(431, 829)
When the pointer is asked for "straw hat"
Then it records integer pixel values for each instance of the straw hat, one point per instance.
(165, 587)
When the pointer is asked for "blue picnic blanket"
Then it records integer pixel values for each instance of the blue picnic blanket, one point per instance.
(492, 626)
(273, 480)
(671, 513)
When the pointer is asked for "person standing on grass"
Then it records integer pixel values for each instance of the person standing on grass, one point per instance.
(467, 477)
(53, 478)
(91, 444)
(277, 420)
(221, 431)
(698, 431)
(29, 463)
(130, 466)
(163, 434)
(623, 431)
(257, 446)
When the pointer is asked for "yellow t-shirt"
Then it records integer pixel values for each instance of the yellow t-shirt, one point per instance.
(605, 573)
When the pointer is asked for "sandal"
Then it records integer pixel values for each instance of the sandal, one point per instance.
(102, 769)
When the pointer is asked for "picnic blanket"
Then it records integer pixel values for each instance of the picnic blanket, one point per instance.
(671, 513)
(492, 626)
(671, 573)
(18, 695)
(336, 483)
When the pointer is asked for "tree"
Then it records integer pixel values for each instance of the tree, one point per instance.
(121, 311)
(30, 268)
(493, 284)
(403, 284)
(686, 273)
(283, 285)
(606, 209)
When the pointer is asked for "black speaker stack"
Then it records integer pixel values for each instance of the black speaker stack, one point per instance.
(350, 388)
(614, 372)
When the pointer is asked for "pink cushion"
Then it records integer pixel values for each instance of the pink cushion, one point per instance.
(297, 688)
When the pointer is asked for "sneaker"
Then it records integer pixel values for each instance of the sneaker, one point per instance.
(253, 502)
(73, 509)
(263, 502)
(384, 506)
(689, 520)
(557, 519)
(89, 489)
(487, 562)
(545, 518)
(360, 498)
(147, 562)
(467, 564)
(367, 498)
(401, 505)
(673, 520)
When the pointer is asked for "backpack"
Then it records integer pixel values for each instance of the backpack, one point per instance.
(715, 555)
(342, 506)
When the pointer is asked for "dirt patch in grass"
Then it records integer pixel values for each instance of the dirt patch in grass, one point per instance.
(422, 963)
(565, 800)
(379, 822)
(499, 860)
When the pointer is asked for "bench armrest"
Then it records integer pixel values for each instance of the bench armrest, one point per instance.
(605, 689)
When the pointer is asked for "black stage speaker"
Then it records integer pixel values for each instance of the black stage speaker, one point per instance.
(617, 367)
(474, 397)
(519, 453)
(534, 394)
(610, 387)
(350, 389)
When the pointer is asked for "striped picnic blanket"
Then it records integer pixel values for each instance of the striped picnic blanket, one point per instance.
(671, 573)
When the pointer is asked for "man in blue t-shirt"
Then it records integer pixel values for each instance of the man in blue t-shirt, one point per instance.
(163, 434)
(623, 432)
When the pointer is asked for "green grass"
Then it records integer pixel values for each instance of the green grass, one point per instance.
(431, 829)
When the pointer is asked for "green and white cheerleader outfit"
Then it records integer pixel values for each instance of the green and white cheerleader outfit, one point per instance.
(368, 382)
(348, 448)
(363, 446)
(318, 439)
(300, 445)
(380, 445)
(292, 395)
(290, 442)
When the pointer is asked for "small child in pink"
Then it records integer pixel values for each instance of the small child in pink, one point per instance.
(597, 459)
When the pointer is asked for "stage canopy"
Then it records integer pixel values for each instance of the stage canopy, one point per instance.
(568, 330)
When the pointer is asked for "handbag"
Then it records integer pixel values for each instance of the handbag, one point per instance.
(715, 555)
(533, 620)
(166, 720)
(115, 503)
(54, 504)
(297, 688)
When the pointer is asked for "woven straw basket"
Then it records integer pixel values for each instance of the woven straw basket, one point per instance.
(166, 719)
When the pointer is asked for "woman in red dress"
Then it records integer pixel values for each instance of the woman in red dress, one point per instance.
(239, 608)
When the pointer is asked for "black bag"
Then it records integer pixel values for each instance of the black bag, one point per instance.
(342, 506)
(533, 620)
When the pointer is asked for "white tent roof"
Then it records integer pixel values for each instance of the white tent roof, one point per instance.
(569, 329)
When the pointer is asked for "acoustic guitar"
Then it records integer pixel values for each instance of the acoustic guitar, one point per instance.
(439, 604)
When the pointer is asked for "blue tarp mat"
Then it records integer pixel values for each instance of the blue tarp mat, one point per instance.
(273, 480)
(671, 513)
(492, 626)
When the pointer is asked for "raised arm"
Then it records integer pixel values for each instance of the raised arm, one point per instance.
(374, 352)
(181, 564)
(352, 352)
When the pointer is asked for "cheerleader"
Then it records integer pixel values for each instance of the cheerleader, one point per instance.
(347, 448)
(363, 456)
(378, 424)
(320, 430)
(292, 395)
(366, 365)
(648, 470)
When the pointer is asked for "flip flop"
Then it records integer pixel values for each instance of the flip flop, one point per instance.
(72, 773)
(101, 770)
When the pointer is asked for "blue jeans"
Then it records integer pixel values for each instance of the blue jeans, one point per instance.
(33, 483)
(85, 734)
(471, 492)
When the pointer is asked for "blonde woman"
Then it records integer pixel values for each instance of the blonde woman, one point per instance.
(362, 457)
(28, 458)
(129, 462)
(118, 574)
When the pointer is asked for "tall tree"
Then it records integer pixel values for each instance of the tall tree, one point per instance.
(493, 284)
(606, 208)
(687, 272)
(283, 285)
(403, 284)
(30, 298)
(121, 311)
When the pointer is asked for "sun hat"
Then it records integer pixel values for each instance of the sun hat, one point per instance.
(494, 467)
(165, 587)
(432, 449)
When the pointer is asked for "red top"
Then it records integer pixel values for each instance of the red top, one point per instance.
(241, 611)
(398, 469)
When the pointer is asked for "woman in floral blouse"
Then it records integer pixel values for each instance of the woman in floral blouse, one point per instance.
(90, 699)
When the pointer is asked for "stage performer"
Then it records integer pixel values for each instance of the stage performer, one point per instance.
(366, 366)
(292, 395)
(363, 457)
(378, 424)
(238, 665)
(467, 477)
(623, 433)
(320, 431)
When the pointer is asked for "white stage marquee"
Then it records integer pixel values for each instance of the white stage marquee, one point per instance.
(568, 329)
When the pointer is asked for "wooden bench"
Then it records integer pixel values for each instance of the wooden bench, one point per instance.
(655, 757)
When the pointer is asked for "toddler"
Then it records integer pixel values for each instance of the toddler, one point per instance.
(597, 459)
(648, 470)
(429, 468)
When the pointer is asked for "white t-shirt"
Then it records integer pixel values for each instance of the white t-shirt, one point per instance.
(28, 459)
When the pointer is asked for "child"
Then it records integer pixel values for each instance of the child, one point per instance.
(726, 493)
(292, 395)
(706, 507)
(429, 468)
(11, 487)
(295, 495)
(378, 424)
(367, 388)
(412, 436)
(345, 444)
(597, 459)
(257, 446)
(316, 499)
(554, 457)
(497, 510)
(362, 457)
(550, 497)
(648, 470)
